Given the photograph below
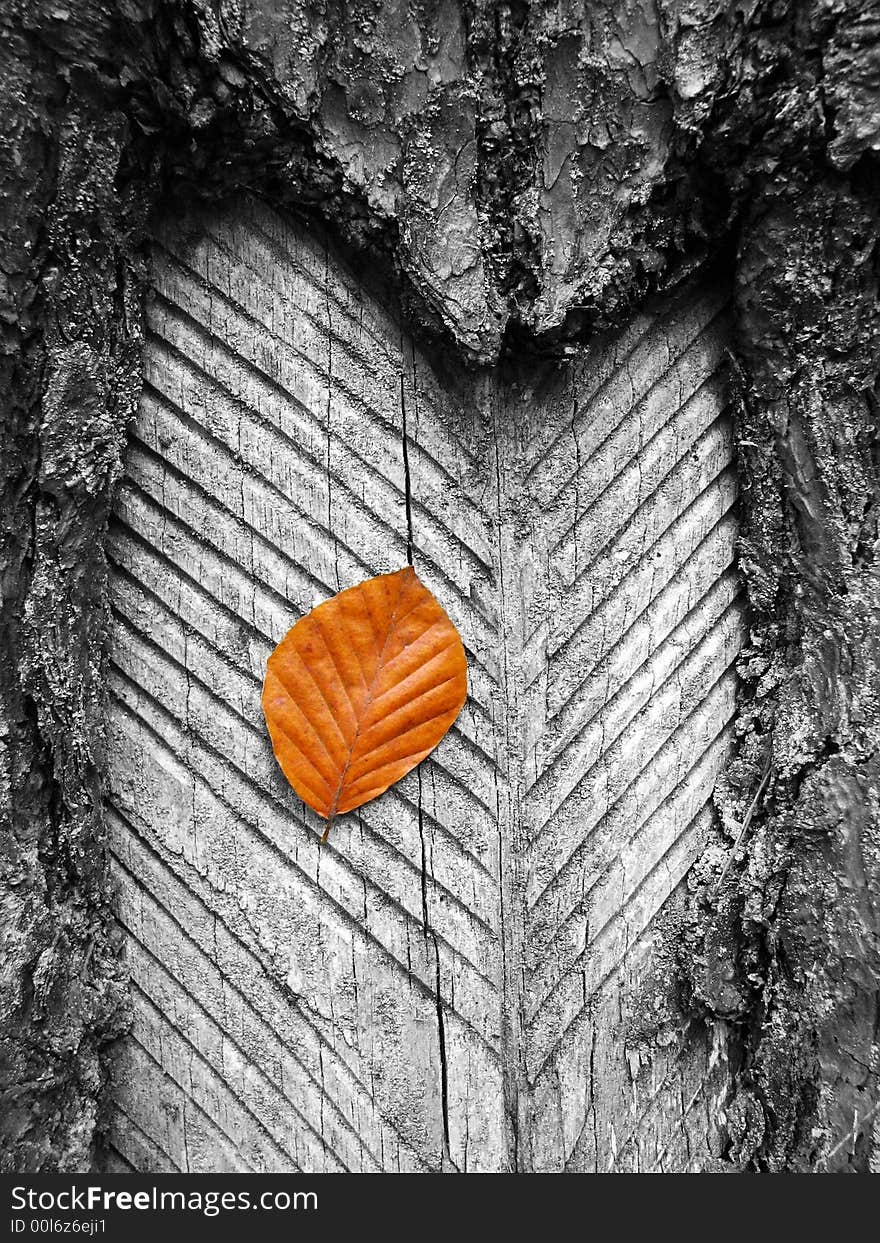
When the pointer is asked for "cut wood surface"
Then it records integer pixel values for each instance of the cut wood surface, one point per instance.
(463, 977)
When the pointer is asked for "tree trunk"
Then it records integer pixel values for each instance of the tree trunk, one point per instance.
(536, 188)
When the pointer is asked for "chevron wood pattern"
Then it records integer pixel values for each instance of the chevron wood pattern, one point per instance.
(458, 979)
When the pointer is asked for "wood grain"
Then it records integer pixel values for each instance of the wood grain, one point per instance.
(458, 979)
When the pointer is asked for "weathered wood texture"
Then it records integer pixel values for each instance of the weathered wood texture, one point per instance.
(457, 979)
(524, 174)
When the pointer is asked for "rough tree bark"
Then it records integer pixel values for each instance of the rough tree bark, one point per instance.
(531, 173)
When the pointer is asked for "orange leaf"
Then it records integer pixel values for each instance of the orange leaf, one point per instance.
(361, 689)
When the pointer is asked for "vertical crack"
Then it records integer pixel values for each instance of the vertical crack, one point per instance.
(407, 480)
(592, 1106)
(323, 1098)
(431, 942)
(431, 939)
(184, 1135)
(327, 412)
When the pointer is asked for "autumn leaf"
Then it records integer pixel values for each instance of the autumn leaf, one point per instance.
(361, 689)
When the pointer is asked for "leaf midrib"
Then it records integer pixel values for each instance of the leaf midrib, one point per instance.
(367, 704)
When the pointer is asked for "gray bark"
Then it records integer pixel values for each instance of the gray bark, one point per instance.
(530, 176)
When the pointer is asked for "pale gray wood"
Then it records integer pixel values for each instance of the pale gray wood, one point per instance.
(459, 978)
